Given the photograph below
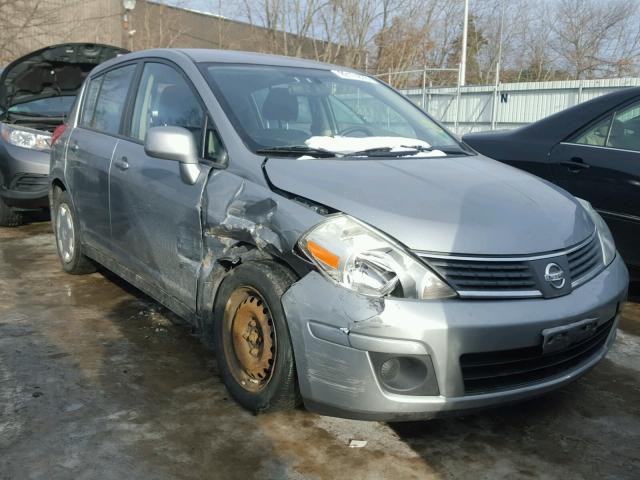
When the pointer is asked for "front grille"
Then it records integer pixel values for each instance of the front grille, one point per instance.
(507, 369)
(517, 277)
(585, 260)
(29, 182)
(486, 276)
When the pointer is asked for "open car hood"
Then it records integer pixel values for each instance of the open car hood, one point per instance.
(51, 71)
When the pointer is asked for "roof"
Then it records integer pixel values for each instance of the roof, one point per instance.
(200, 55)
(203, 55)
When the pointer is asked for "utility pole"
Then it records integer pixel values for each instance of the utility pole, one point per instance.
(499, 60)
(463, 59)
(494, 110)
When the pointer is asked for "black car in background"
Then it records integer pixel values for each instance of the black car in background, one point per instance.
(36, 93)
(593, 151)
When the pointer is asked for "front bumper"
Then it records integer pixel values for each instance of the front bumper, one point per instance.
(336, 333)
(24, 177)
(25, 199)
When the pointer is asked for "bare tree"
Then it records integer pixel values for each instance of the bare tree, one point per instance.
(155, 26)
(542, 40)
(595, 38)
(27, 25)
(19, 24)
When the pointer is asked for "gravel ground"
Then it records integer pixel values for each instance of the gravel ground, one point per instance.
(97, 381)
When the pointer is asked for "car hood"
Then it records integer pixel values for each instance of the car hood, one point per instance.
(464, 205)
(52, 71)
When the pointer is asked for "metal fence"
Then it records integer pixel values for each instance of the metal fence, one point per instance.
(508, 105)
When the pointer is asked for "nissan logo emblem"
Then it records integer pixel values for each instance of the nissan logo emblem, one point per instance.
(554, 274)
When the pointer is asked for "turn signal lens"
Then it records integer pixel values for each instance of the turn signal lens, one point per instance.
(323, 255)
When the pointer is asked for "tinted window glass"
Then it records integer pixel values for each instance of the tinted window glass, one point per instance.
(595, 135)
(90, 102)
(344, 115)
(625, 129)
(110, 103)
(282, 106)
(377, 115)
(302, 124)
(213, 145)
(165, 99)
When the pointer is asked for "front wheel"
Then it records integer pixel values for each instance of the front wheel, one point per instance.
(251, 337)
(65, 225)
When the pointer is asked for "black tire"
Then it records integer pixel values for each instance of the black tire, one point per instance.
(76, 263)
(9, 217)
(270, 281)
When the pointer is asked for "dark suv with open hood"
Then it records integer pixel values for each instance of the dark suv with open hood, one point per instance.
(36, 92)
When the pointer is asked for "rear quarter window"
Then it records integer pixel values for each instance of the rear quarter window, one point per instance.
(90, 98)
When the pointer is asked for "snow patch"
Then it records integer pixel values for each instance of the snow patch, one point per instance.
(347, 145)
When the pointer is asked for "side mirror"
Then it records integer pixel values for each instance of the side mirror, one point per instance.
(177, 144)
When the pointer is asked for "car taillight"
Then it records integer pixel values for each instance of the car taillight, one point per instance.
(57, 133)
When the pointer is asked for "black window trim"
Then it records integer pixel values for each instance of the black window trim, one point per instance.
(83, 103)
(125, 119)
(101, 74)
(128, 114)
(571, 138)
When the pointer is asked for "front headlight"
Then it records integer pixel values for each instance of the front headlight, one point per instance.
(25, 137)
(357, 257)
(604, 234)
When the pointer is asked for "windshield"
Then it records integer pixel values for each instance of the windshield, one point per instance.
(324, 110)
(45, 107)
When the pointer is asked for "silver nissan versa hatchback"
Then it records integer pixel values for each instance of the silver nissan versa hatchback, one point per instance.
(331, 241)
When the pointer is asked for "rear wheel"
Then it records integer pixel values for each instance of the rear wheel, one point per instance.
(9, 217)
(66, 230)
(251, 336)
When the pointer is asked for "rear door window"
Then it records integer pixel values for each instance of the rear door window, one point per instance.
(111, 96)
(90, 98)
(620, 130)
(595, 135)
(625, 129)
(164, 98)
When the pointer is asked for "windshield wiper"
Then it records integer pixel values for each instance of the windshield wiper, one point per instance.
(296, 150)
(380, 152)
(408, 150)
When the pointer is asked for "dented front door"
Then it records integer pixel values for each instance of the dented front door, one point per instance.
(155, 221)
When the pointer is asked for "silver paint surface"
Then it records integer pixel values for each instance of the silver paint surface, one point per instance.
(177, 242)
(463, 205)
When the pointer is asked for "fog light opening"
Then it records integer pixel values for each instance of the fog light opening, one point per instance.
(389, 370)
(403, 373)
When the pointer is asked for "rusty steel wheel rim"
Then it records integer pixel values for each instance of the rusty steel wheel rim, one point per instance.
(249, 339)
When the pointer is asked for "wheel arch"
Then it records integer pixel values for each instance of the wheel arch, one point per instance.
(216, 269)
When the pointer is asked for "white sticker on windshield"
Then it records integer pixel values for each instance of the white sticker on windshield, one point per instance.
(352, 76)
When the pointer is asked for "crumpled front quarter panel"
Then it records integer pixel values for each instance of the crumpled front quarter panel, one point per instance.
(239, 210)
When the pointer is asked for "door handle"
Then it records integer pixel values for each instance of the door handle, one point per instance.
(75, 147)
(575, 165)
(122, 164)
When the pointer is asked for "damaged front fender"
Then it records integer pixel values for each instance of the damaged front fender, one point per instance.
(244, 221)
